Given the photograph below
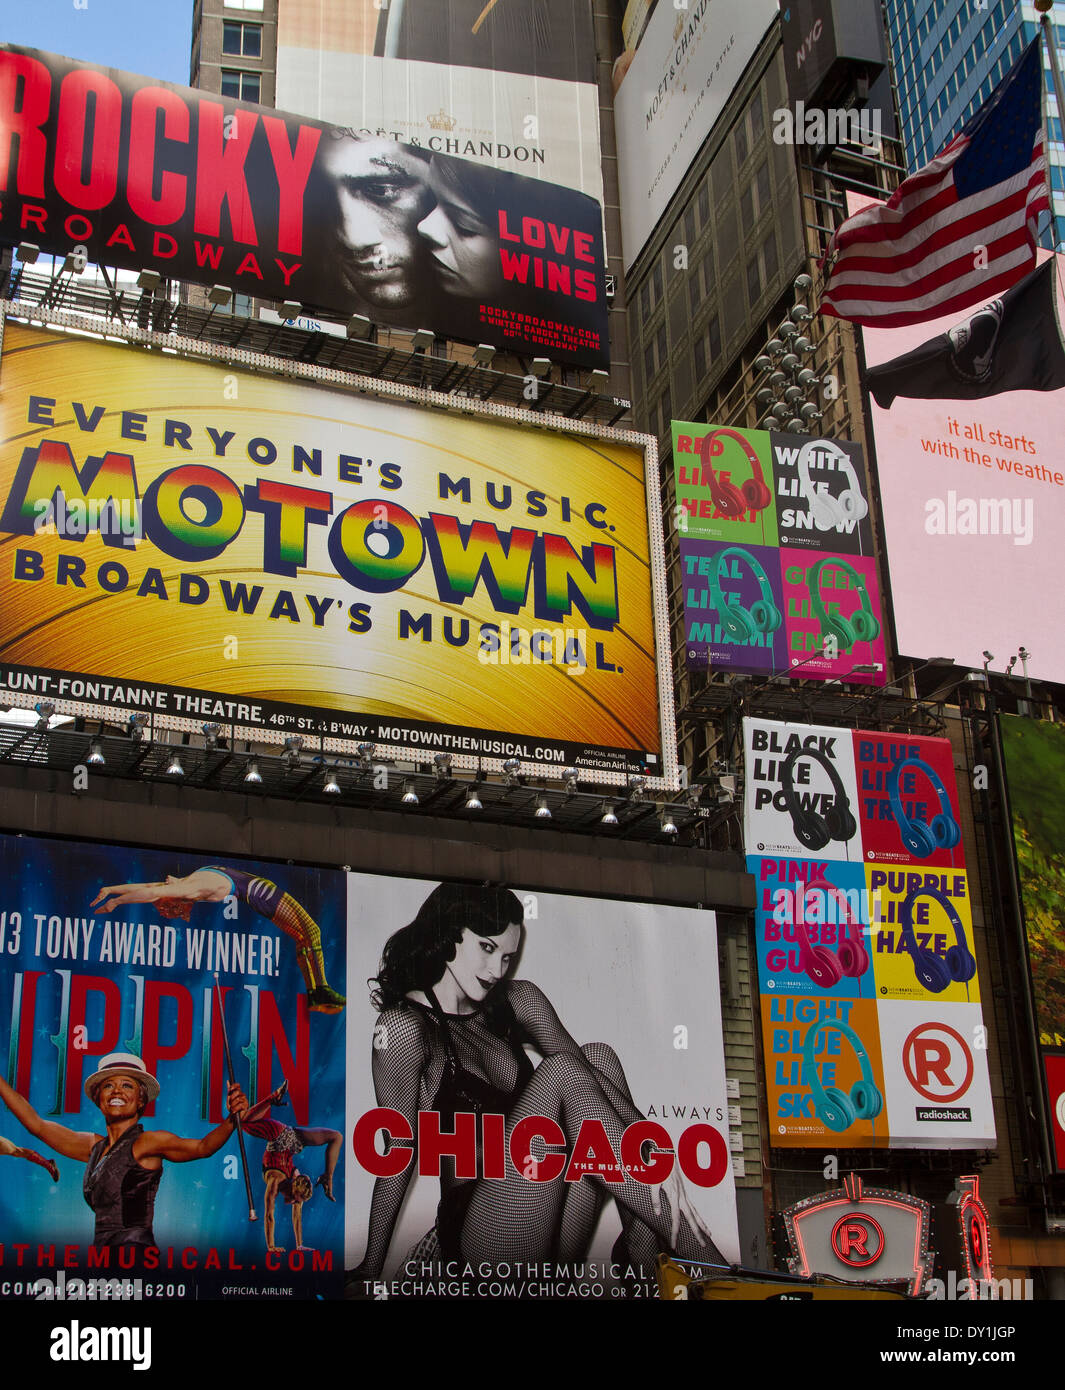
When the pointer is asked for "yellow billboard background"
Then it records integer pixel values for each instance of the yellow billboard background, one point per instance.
(290, 658)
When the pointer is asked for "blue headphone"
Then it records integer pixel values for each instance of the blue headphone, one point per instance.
(941, 832)
(833, 1107)
(933, 973)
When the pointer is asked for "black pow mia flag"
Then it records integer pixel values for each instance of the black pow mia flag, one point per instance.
(1012, 344)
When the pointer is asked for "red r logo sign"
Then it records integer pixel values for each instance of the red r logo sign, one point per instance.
(852, 1237)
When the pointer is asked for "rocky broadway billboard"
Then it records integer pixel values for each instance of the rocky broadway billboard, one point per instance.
(507, 83)
(144, 174)
(127, 979)
(202, 543)
(536, 1093)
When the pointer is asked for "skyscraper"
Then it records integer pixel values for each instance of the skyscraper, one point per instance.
(948, 57)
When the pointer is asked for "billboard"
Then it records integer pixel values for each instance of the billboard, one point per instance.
(144, 174)
(1035, 773)
(777, 554)
(208, 544)
(870, 1001)
(528, 1074)
(509, 85)
(688, 62)
(107, 950)
(971, 490)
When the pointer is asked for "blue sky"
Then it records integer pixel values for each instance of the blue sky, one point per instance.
(145, 36)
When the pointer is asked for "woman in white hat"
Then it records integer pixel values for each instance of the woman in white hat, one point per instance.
(125, 1165)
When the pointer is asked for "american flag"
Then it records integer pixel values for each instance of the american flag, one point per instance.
(959, 231)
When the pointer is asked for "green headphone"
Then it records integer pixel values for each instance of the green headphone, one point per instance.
(743, 625)
(861, 626)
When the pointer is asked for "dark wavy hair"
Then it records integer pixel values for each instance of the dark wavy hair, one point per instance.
(416, 956)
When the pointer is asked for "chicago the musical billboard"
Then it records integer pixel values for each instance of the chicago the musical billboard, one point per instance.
(536, 1093)
(206, 543)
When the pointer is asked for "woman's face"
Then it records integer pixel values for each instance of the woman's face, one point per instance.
(482, 961)
(461, 244)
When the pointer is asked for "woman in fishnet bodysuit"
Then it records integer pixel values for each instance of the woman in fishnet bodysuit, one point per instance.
(449, 1039)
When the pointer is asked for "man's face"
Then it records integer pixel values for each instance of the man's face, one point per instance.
(383, 194)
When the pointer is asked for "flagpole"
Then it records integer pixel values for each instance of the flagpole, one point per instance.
(1044, 7)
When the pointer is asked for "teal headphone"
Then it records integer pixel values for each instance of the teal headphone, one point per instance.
(744, 624)
(833, 1107)
(861, 626)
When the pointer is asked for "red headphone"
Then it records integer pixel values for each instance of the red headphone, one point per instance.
(823, 966)
(730, 500)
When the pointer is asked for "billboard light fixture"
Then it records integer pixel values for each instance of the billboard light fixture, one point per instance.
(802, 283)
(540, 366)
(135, 725)
(637, 786)
(473, 801)
(44, 710)
(174, 767)
(666, 821)
(543, 811)
(331, 786)
(293, 744)
(72, 265)
(569, 779)
(608, 817)
(366, 752)
(442, 766)
(484, 354)
(787, 329)
(358, 326)
(796, 426)
(410, 796)
(252, 774)
(597, 377)
(210, 733)
(762, 363)
(802, 344)
(810, 412)
(28, 251)
(774, 347)
(96, 754)
(219, 296)
(149, 280)
(512, 768)
(806, 378)
(289, 308)
(790, 362)
(423, 339)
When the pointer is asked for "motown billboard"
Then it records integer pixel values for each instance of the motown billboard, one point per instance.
(201, 543)
(508, 84)
(175, 962)
(142, 174)
(536, 1093)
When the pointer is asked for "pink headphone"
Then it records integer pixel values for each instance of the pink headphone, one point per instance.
(823, 966)
(730, 500)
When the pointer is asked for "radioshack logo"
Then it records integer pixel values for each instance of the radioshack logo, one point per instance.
(939, 1066)
(857, 1240)
(77, 1343)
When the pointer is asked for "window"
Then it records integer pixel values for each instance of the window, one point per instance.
(242, 40)
(242, 85)
(243, 4)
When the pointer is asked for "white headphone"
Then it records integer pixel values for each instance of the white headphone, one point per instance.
(827, 511)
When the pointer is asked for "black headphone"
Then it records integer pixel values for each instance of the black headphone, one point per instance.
(811, 830)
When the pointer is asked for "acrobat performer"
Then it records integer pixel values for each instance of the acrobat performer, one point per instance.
(125, 1165)
(9, 1150)
(280, 1174)
(174, 898)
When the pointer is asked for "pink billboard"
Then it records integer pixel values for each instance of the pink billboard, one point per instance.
(973, 499)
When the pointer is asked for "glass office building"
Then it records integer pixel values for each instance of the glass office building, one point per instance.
(948, 57)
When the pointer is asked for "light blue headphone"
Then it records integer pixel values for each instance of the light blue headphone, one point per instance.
(833, 1107)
